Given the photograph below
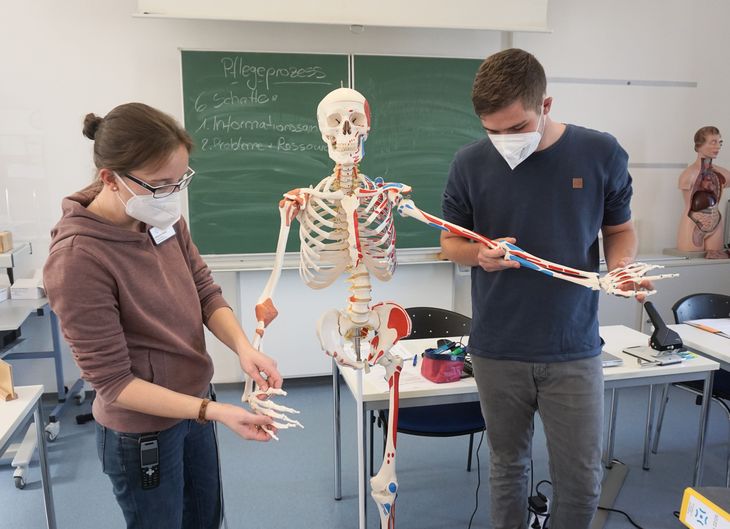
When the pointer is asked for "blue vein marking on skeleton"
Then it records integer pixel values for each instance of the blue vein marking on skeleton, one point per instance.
(442, 228)
(379, 180)
(392, 185)
(525, 262)
(386, 507)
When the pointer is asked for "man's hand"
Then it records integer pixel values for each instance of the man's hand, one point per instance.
(644, 284)
(493, 260)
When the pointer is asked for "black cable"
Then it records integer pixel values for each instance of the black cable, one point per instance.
(479, 482)
(537, 487)
(632, 522)
(532, 478)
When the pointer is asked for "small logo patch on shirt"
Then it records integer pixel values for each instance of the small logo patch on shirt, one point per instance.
(577, 183)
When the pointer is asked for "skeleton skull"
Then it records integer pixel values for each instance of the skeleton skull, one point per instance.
(344, 120)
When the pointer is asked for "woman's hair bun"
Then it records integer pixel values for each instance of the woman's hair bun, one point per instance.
(91, 125)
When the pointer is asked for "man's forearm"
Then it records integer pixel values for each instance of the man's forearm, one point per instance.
(619, 246)
(459, 250)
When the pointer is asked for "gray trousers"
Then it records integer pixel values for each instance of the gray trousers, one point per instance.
(569, 398)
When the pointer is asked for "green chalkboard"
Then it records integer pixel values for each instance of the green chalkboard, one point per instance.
(422, 114)
(253, 120)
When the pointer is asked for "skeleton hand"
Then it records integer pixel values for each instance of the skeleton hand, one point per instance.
(634, 274)
(256, 365)
(259, 403)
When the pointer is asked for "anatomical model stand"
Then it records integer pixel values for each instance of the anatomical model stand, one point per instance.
(346, 226)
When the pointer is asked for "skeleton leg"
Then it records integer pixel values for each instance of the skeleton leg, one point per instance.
(394, 324)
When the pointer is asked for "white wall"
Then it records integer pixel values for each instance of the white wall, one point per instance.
(60, 60)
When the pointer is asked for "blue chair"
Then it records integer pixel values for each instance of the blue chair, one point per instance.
(696, 307)
(443, 420)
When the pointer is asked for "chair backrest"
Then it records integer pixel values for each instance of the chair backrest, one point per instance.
(700, 306)
(427, 322)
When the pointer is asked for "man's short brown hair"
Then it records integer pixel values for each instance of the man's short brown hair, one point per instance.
(701, 135)
(505, 77)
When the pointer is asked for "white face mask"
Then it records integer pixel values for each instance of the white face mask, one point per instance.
(516, 148)
(158, 212)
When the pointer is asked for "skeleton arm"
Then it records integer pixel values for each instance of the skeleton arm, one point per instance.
(265, 314)
(611, 283)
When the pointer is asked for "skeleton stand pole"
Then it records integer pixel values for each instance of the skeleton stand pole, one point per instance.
(360, 417)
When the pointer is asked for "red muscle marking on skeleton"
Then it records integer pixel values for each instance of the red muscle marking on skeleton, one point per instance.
(357, 238)
(400, 322)
(266, 312)
(375, 352)
(293, 200)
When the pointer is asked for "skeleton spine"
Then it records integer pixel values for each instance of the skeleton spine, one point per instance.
(358, 306)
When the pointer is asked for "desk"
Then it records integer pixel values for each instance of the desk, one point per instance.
(16, 414)
(371, 393)
(707, 343)
(13, 314)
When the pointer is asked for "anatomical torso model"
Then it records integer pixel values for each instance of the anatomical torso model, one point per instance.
(702, 184)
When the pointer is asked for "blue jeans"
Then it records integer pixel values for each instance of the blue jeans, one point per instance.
(189, 493)
(569, 398)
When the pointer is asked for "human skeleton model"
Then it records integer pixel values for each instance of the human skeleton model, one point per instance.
(346, 225)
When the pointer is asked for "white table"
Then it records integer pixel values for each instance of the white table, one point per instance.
(707, 343)
(13, 314)
(371, 393)
(15, 415)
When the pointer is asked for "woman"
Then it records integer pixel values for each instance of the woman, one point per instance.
(132, 295)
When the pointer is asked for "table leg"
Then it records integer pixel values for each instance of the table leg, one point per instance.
(45, 477)
(649, 426)
(57, 359)
(706, 396)
(364, 484)
(337, 429)
(611, 439)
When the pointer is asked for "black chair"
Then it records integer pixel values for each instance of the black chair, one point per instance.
(443, 420)
(696, 307)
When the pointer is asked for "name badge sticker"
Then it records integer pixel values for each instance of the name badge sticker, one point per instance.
(159, 236)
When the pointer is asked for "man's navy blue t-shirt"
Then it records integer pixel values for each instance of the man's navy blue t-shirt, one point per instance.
(554, 203)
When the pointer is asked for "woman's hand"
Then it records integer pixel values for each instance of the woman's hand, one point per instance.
(246, 424)
(261, 368)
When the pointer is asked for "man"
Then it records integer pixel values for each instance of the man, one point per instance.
(549, 187)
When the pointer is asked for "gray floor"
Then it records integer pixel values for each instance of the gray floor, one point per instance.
(289, 484)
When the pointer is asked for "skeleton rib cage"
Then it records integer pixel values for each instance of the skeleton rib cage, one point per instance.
(324, 231)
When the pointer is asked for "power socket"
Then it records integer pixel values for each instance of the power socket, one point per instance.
(539, 509)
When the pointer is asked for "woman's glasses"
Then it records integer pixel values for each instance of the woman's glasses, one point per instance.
(166, 189)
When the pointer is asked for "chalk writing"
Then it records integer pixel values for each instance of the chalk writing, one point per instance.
(228, 123)
(237, 68)
(241, 144)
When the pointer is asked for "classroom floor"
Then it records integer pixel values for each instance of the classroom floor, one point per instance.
(289, 484)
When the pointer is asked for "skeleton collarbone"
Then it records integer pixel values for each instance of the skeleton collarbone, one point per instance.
(340, 229)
